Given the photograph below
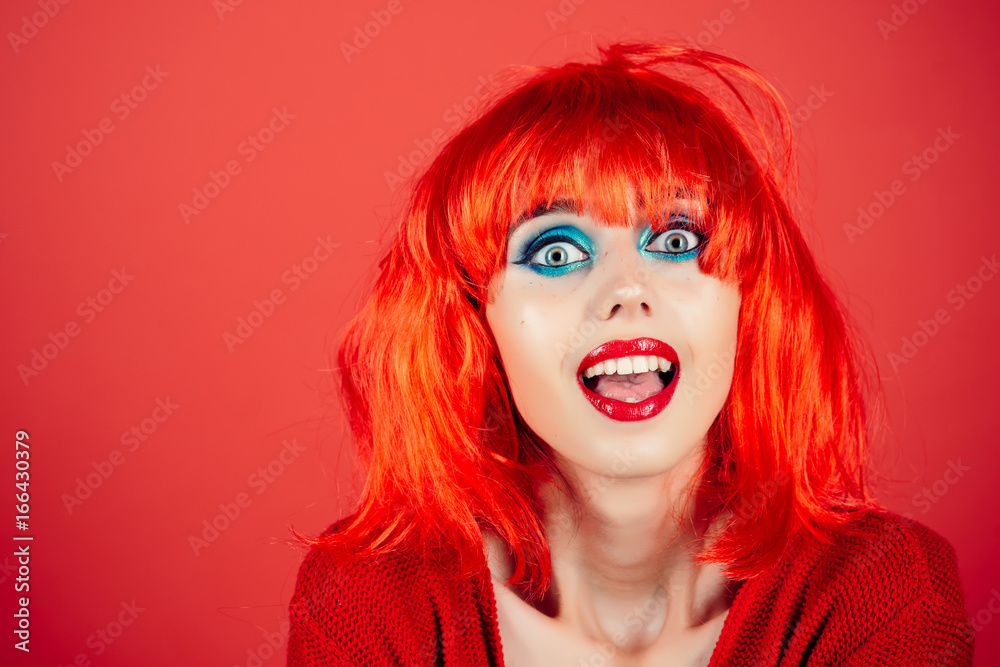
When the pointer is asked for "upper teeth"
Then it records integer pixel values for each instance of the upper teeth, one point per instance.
(628, 365)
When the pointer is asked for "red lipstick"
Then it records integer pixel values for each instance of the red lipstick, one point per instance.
(621, 410)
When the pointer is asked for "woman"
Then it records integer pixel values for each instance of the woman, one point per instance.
(609, 410)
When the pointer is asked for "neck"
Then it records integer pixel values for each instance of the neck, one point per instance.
(623, 564)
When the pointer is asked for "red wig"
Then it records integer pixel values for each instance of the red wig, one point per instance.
(444, 450)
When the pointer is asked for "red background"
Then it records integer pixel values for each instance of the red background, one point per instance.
(886, 96)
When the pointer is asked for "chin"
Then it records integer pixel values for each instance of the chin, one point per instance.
(633, 456)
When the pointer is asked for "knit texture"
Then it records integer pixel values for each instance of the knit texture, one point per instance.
(888, 597)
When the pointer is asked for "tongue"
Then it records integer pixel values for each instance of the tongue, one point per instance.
(635, 386)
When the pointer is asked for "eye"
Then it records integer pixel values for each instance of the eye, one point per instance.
(556, 251)
(557, 254)
(676, 244)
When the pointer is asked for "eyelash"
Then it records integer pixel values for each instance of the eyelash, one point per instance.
(550, 238)
(681, 226)
(534, 249)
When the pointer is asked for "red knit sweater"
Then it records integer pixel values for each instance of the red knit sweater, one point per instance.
(891, 597)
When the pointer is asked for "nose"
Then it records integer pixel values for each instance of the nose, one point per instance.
(624, 290)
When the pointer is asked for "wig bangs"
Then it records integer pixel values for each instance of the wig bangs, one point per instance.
(633, 152)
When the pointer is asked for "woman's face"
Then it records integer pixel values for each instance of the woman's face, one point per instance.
(580, 314)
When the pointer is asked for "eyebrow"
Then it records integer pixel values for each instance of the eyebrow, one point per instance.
(542, 208)
(565, 206)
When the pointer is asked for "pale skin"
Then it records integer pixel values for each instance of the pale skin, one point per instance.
(628, 590)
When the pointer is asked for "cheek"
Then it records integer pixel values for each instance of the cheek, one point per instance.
(531, 335)
(713, 310)
(522, 336)
(722, 319)
(713, 337)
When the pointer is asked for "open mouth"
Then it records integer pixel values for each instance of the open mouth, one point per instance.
(630, 380)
